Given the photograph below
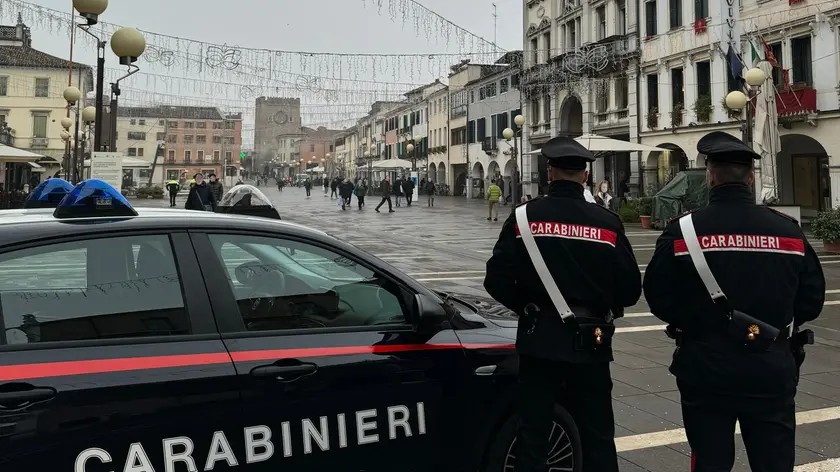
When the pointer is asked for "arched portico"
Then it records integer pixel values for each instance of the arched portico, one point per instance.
(803, 174)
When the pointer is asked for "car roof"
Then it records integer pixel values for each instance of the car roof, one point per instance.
(24, 225)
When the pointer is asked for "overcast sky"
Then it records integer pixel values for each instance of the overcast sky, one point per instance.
(336, 26)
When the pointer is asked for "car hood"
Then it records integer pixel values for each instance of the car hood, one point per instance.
(485, 307)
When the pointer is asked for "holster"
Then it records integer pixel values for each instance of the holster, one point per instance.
(797, 345)
(754, 333)
(593, 334)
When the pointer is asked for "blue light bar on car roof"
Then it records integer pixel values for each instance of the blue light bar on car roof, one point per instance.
(48, 194)
(92, 198)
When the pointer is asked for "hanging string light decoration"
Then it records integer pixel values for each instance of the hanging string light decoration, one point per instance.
(224, 61)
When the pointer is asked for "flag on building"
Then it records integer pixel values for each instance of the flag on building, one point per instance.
(736, 67)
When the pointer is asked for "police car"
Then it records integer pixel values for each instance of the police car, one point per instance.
(144, 340)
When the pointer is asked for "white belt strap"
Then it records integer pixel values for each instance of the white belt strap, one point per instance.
(539, 264)
(697, 257)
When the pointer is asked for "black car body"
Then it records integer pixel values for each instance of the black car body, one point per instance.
(186, 341)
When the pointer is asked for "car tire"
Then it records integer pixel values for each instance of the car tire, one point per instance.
(498, 458)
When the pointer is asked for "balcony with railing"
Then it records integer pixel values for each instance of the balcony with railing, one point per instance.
(489, 144)
(796, 103)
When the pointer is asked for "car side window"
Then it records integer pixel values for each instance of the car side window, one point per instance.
(285, 284)
(104, 288)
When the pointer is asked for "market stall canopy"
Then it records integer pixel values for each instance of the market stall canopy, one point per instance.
(36, 167)
(597, 143)
(129, 163)
(316, 169)
(13, 154)
(392, 164)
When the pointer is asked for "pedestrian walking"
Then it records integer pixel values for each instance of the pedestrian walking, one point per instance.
(408, 190)
(360, 191)
(173, 187)
(308, 186)
(494, 196)
(735, 281)
(385, 188)
(397, 189)
(201, 196)
(431, 191)
(541, 269)
(345, 190)
(216, 186)
(334, 188)
(326, 186)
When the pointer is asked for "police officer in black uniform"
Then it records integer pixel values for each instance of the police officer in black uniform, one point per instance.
(738, 356)
(590, 260)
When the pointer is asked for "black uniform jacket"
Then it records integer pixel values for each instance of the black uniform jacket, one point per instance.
(589, 256)
(765, 267)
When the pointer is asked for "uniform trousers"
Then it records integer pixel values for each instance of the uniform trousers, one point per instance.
(768, 431)
(585, 391)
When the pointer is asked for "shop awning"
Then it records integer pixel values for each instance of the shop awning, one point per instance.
(597, 143)
(129, 163)
(36, 167)
(13, 154)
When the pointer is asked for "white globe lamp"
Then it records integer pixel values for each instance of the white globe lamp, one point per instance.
(89, 114)
(72, 95)
(519, 120)
(736, 100)
(90, 9)
(755, 77)
(128, 44)
(65, 136)
(507, 133)
(410, 147)
(66, 123)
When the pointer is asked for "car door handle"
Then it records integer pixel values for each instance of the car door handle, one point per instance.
(21, 398)
(284, 373)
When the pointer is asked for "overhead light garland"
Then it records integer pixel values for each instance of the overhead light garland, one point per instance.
(224, 61)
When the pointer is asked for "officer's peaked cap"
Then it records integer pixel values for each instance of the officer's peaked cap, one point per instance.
(723, 147)
(566, 153)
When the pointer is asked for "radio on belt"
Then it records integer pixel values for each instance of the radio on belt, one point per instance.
(93, 198)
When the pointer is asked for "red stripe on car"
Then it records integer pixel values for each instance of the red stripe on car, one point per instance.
(102, 366)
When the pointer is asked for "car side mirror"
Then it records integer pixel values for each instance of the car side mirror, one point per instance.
(430, 313)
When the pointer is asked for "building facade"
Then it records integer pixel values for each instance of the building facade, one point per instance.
(438, 161)
(314, 147)
(579, 77)
(196, 140)
(277, 132)
(460, 96)
(31, 98)
(687, 68)
(497, 102)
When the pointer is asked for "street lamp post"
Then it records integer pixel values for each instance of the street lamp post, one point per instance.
(72, 95)
(89, 116)
(128, 44)
(737, 100)
(90, 11)
(516, 181)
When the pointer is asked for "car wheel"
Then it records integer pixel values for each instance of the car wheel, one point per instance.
(564, 455)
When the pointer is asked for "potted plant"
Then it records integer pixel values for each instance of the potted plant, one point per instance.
(703, 108)
(677, 115)
(645, 209)
(628, 212)
(156, 192)
(826, 226)
(653, 118)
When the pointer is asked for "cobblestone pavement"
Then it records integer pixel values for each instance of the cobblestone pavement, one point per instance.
(446, 246)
